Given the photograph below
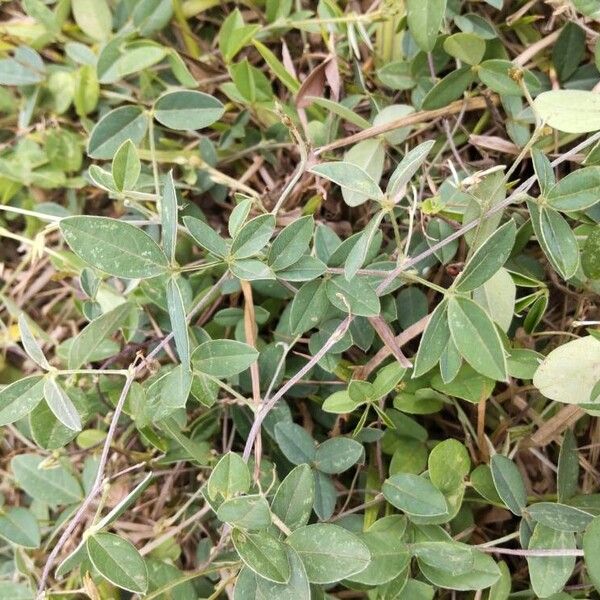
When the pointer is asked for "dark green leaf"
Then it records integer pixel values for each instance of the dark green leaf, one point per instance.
(509, 483)
(476, 338)
(488, 258)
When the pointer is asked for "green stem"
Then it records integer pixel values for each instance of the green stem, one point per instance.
(153, 160)
(188, 37)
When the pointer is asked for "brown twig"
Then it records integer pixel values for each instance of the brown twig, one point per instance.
(474, 103)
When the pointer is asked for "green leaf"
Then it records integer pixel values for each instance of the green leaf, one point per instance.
(234, 35)
(118, 561)
(591, 550)
(448, 89)
(206, 236)
(223, 358)
(47, 431)
(487, 194)
(543, 170)
(306, 269)
(187, 110)
(523, 363)
(387, 379)
(54, 485)
(448, 465)
(466, 384)
(150, 16)
(359, 251)
(369, 155)
(87, 341)
(434, 340)
(424, 21)
(290, 82)
(389, 554)
(253, 236)
(325, 496)
(263, 553)
(120, 509)
(452, 557)
(93, 18)
(329, 553)
(408, 166)
(476, 338)
(297, 588)
(126, 166)
(497, 297)
(497, 75)
(466, 47)
(291, 243)
(340, 403)
(26, 67)
(30, 344)
(567, 479)
(590, 256)
(308, 306)
(294, 498)
(509, 483)
(247, 512)
(116, 247)
(488, 258)
(571, 111)
(356, 297)
(114, 128)
(15, 591)
(559, 517)
(295, 443)
(168, 218)
(568, 50)
(450, 364)
(60, 404)
(337, 455)
(251, 269)
(347, 114)
(569, 373)
(229, 477)
(351, 178)
(19, 526)
(483, 574)
(577, 191)
(414, 495)
(178, 322)
(549, 574)
(119, 60)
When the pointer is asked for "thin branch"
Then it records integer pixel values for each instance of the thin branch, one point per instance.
(474, 103)
(531, 553)
(270, 403)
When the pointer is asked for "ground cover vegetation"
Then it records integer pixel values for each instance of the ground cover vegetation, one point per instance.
(299, 299)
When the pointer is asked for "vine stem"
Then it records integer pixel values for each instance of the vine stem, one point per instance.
(542, 552)
(268, 404)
